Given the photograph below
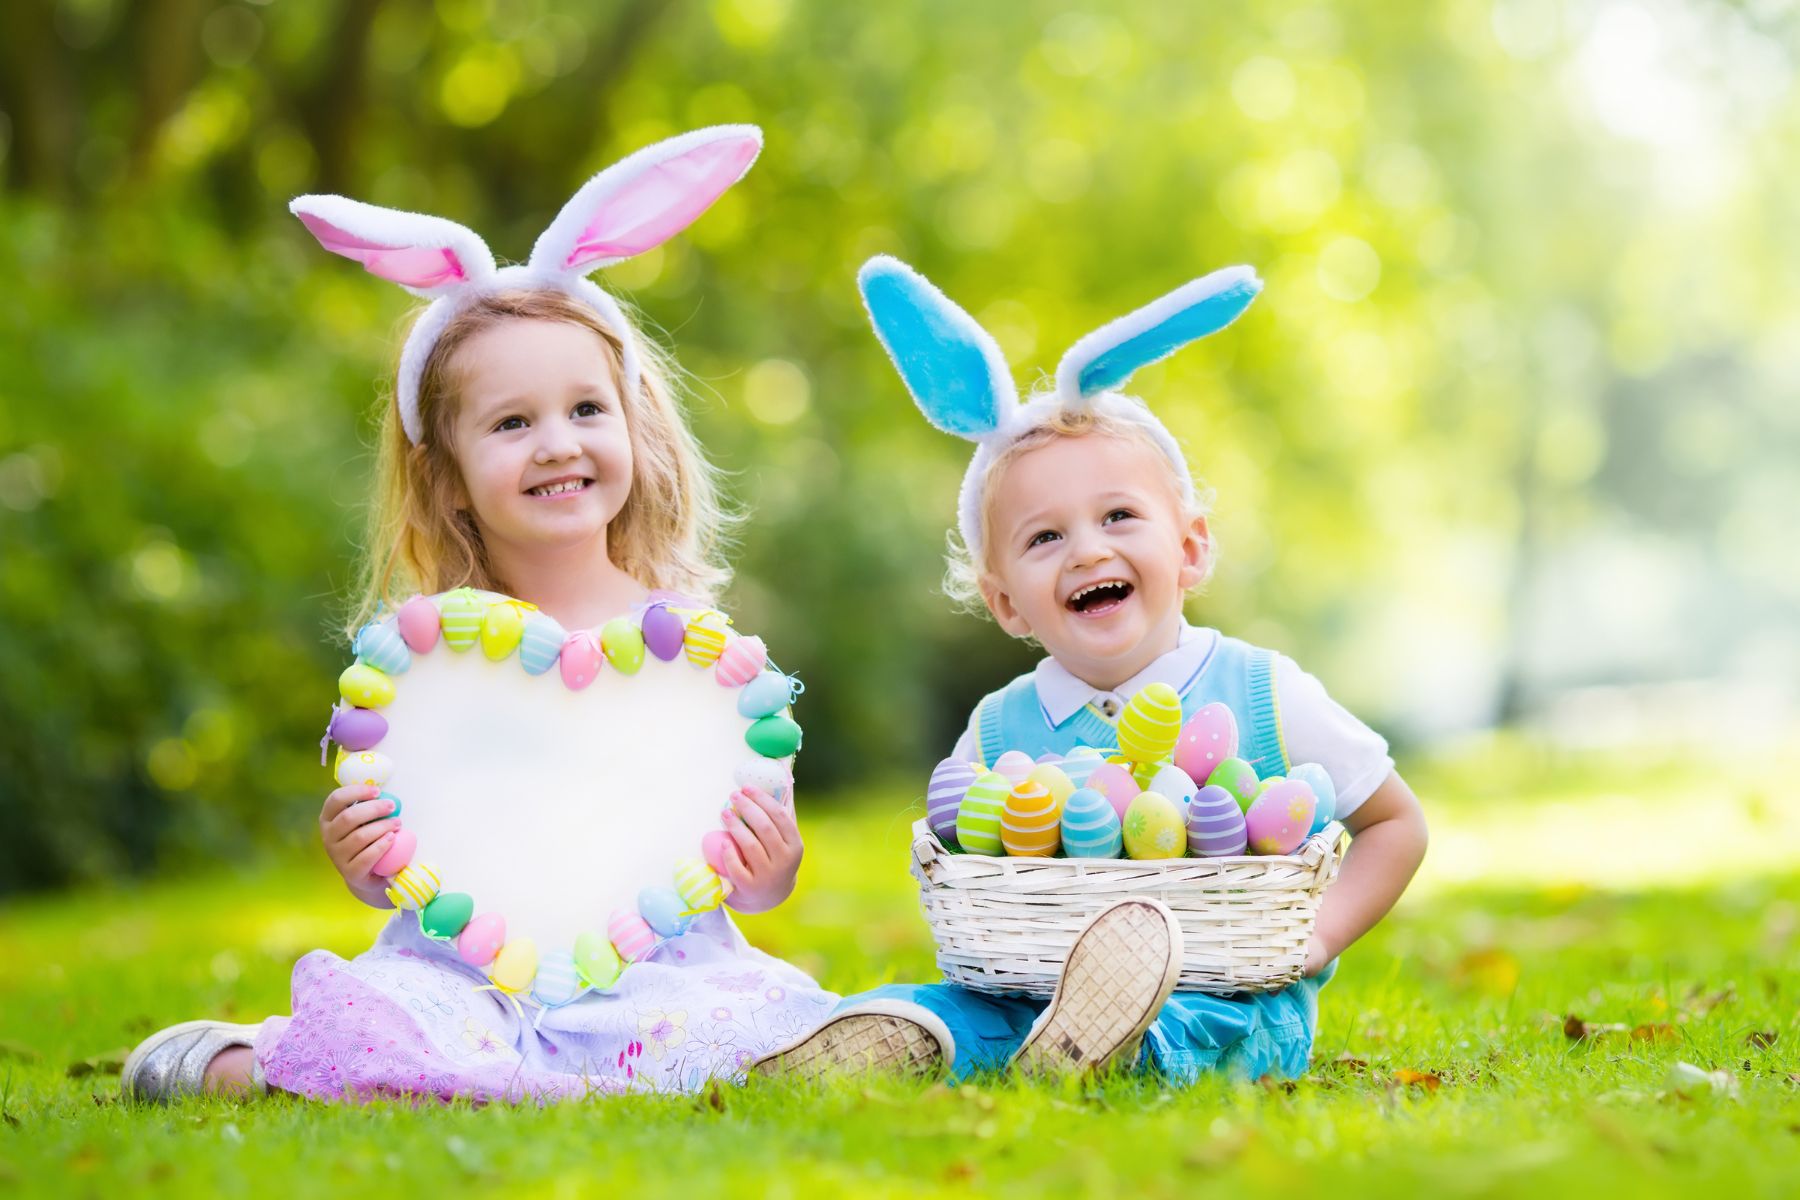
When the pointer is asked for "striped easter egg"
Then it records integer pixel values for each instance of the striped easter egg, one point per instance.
(541, 643)
(1030, 821)
(418, 624)
(978, 817)
(944, 794)
(1080, 763)
(705, 638)
(365, 687)
(380, 645)
(1054, 778)
(629, 934)
(414, 887)
(365, 768)
(741, 661)
(699, 885)
(461, 614)
(1014, 764)
(1171, 781)
(513, 968)
(1215, 824)
(501, 628)
(1090, 827)
(556, 983)
(1318, 779)
(1150, 724)
(596, 962)
(1208, 739)
(581, 659)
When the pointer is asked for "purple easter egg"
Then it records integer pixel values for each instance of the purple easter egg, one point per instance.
(1215, 823)
(663, 632)
(1280, 816)
(944, 796)
(1208, 739)
(358, 728)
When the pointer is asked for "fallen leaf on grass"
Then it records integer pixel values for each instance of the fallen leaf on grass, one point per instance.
(1349, 1064)
(1576, 1029)
(1430, 1081)
(1760, 1039)
(110, 1062)
(714, 1099)
(1660, 1031)
(1491, 971)
(1700, 1002)
(9, 1119)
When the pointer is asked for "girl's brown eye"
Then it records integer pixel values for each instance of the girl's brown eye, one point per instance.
(510, 423)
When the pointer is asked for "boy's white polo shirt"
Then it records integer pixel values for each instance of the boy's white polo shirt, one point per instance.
(1314, 727)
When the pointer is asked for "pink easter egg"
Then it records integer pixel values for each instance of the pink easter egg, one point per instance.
(418, 621)
(742, 661)
(1208, 739)
(1015, 765)
(581, 659)
(481, 939)
(398, 854)
(712, 849)
(1049, 756)
(663, 632)
(1115, 782)
(630, 935)
(1280, 816)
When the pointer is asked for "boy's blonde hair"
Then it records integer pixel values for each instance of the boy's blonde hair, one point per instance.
(962, 573)
(671, 532)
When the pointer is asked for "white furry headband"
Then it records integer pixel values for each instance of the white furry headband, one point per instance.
(960, 381)
(632, 206)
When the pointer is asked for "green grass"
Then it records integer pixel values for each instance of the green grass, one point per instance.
(1442, 1065)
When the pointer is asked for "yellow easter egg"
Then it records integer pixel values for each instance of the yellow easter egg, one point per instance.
(1031, 821)
(704, 640)
(414, 887)
(1150, 724)
(1055, 780)
(515, 966)
(501, 630)
(699, 885)
(1154, 828)
(365, 687)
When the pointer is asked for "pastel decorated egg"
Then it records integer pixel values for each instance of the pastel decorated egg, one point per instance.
(1237, 777)
(1079, 766)
(1014, 764)
(741, 661)
(391, 799)
(380, 645)
(398, 854)
(557, 982)
(596, 962)
(630, 935)
(1215, 824)
(943, 796)
(1031, 821)
(1090, 827)
(698, 885)
(1208, 739)
(704, 640)
(1171, 781)
(1114, 782)
(769, 775)
(773, 737)
(514, 967)
(365, 768)
(357, 728)
(1048, 756)
(663, 631)
(461, 613)
(1154, 828)
(978, 817)
(447, 915)
(1150, 723)
(623, 644)
(501, 628)
(541, 643)
(414, 886)
(481, 939)
(662, 910)
(1279, 817)
(1054, 779)
(1324, 791)
(712, 848)
(365, 687)
(767, 694)
(418, 624)
(581, 659)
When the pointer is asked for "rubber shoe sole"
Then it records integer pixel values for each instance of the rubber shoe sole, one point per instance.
(887, 1037)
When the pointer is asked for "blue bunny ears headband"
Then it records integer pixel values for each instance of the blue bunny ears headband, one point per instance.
(961, 381)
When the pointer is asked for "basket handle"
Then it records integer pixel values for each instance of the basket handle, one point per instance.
(925, 848)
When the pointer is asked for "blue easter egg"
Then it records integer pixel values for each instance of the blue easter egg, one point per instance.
(556, 983)
(661, 908)
(380, 645)
(768, 693)
(1080, 764)
(541, 643)
(1319, 780)
(1090, 825)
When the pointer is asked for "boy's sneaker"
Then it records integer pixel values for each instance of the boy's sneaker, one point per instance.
(171, 1063)
(890, 1036)
(1122, 967)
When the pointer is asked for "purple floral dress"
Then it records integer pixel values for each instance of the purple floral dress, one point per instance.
(406, 1018)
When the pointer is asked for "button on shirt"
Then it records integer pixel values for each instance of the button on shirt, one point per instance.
(1314, 727)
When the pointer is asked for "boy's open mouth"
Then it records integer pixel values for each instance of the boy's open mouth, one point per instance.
(560, 487)
(1098, 598)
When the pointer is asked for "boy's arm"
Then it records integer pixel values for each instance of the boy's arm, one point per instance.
(1387, 844)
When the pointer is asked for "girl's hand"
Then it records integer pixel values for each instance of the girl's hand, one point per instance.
(355, 837)
(763, 854)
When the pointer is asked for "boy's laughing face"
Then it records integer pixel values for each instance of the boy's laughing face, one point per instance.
(1089, 552)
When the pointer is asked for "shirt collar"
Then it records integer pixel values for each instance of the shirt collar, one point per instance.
(1061, 694)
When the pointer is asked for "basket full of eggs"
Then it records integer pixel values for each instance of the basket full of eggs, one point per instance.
(1012, 859)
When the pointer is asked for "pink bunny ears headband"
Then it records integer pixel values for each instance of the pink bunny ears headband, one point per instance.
(632, 206)
(961, 382)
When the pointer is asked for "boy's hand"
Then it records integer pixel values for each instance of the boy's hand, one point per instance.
(356, 836)
(763, 852)
(1317, 955)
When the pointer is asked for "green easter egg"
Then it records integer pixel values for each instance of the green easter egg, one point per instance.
(1237, 777)
(446, 915)
(596, 961)
(623, 644)
(774, 736)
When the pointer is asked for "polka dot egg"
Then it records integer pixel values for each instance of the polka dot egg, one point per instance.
(501, 628)
(1208, 739)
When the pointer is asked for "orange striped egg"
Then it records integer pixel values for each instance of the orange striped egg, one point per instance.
(1031, 821)
(705, 638)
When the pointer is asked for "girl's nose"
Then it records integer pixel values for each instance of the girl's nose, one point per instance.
(556, 441)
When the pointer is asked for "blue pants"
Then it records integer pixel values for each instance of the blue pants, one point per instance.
(1247, 1036)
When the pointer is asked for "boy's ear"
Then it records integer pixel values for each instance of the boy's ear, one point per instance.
(1000, 604)
(1196, 554)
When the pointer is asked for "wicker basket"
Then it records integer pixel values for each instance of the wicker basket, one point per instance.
(1005, 924)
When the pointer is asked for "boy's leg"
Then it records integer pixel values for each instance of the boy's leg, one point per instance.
(913, 1028)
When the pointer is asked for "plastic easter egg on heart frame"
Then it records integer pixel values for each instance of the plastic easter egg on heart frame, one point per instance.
(705, 637)
(397, 855)
(742, 660)
(581, 659)
(1215, 823)
(950, 780)
(663, 632)
(541, 643)
(501, 628)
(1154, 828)
(774, 736)
(1208, 738)
(447, 915)
(557, 981)
(365, 687)
(357, 728)
(698, 885)
(770, 775)
(596, 962)
(1090, 826)
(481, 939)
(460, 615)
(663, 911)
(515, 966)
(365, 768)
(414, 885)
(1280, 817)
(766, 695)
(380, 645)
(623, 645)
(712, 849)
(630, 935)
(417, 622)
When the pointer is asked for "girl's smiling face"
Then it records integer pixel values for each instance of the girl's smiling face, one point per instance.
(1090, 553)
(540, 436)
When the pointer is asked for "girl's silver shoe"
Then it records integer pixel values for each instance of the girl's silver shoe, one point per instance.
(171, 1063)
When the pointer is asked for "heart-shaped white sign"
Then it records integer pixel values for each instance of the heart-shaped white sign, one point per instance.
(559, 800)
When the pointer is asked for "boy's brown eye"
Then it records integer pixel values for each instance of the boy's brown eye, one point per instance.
(1040, 537)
